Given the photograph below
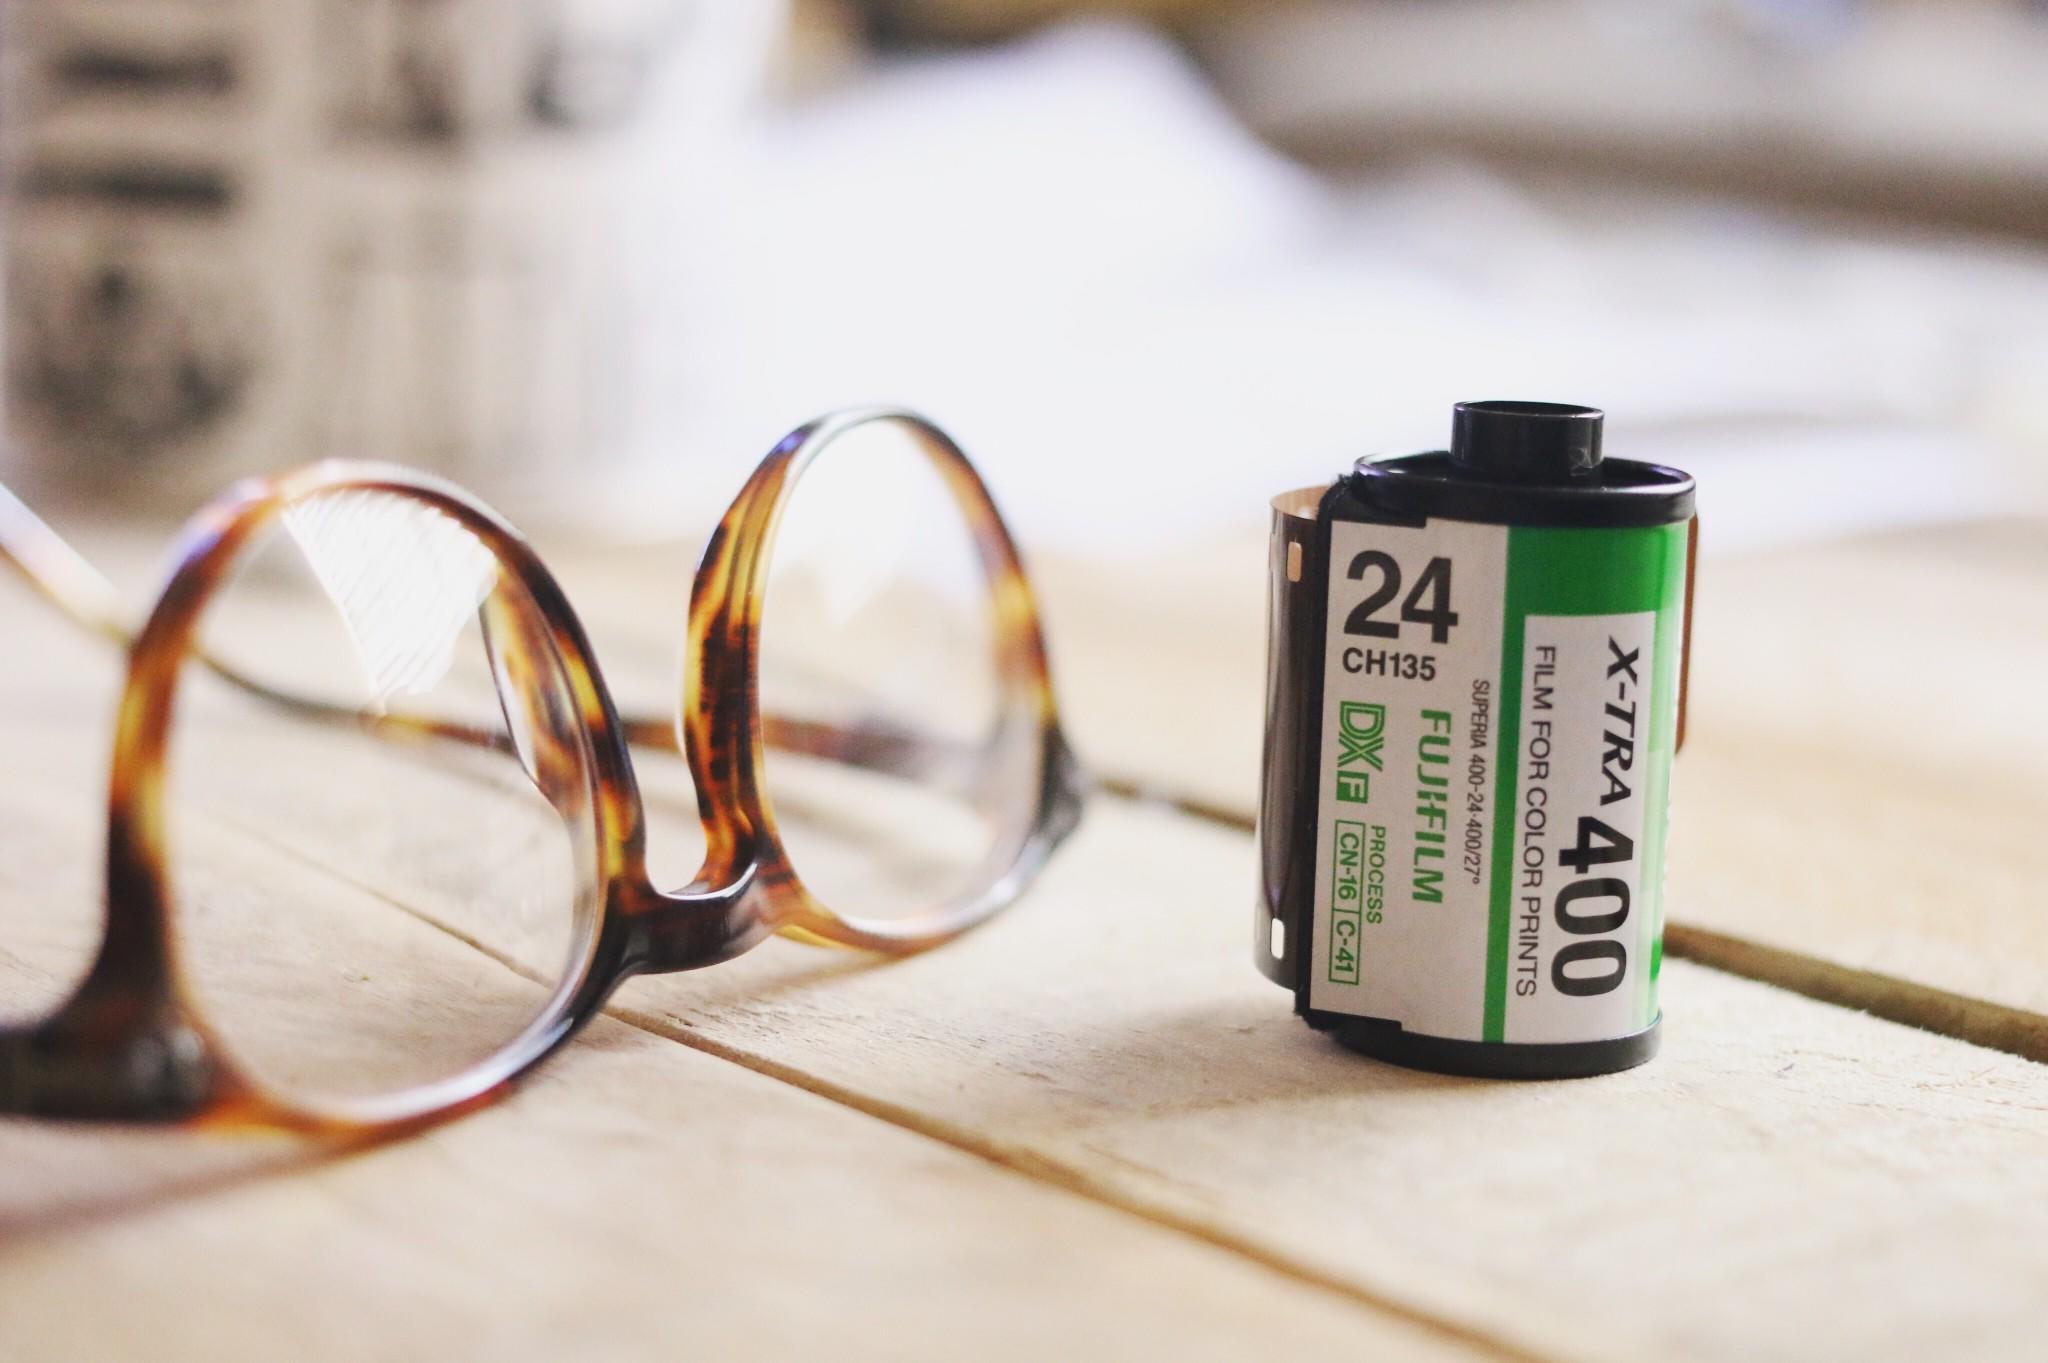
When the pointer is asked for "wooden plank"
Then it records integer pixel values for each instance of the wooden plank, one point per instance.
(1788, 1180)
(1855, 811)
(1800, 665)
(1109, 1037)
(1867, 749)
(637, 1200)
(1162, 668)
(641, 1202)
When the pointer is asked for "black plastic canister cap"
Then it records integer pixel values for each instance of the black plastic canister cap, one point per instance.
(1526, 442)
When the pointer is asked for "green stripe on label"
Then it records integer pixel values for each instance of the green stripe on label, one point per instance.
(1663, 744)
(1577, 572)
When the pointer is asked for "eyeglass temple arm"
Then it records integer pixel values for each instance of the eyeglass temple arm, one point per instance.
(58, 573)
(67, 581)
(82, 594)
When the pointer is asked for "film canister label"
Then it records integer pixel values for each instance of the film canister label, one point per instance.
(1499, 710)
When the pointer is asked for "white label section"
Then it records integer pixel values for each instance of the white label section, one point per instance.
(1576, 966)
(1411, 690)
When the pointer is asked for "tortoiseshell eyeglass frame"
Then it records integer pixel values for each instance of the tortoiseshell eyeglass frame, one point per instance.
(132, 1043)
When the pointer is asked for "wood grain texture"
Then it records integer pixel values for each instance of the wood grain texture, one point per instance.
(1863, 783)
(1868, 771)
(1788, 1180)
(639, 1200)
(642, 1201)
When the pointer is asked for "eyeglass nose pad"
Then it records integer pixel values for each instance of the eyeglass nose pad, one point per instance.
(546, 735)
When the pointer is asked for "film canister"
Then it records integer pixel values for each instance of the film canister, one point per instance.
(1475, 678)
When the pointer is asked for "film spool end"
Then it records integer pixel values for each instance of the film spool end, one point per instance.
(1526, 442)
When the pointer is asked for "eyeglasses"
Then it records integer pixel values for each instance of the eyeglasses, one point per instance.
(376, 845)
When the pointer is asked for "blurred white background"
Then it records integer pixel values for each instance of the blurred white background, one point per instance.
(1152, 263)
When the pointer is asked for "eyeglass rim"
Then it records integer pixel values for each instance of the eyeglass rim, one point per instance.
(722, 661)
(135, 994)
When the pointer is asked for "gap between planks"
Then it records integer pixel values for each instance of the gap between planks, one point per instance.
(1892, 998)
(2010, 1030)
(1074, 1176)
(1929, 1009)
(1024, 1162)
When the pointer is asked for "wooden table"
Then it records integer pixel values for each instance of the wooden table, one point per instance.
(1092, 1130)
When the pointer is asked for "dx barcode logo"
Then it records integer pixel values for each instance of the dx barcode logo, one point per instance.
(1361, 730)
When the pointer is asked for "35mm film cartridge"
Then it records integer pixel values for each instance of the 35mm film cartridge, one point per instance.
(1475, 679)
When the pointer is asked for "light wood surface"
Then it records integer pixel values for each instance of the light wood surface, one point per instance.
(645, 1201)
(648, 1201)
(1856, 814)
(1092, 1130)
(1114, 1041)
